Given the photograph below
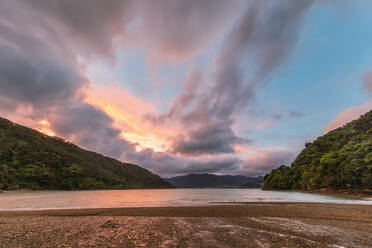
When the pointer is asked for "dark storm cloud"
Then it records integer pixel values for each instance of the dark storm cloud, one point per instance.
(212, 139)
(91, 128)
(217, 107)
(32, 79)
(221, 165)
(32, 71)
(170, 165)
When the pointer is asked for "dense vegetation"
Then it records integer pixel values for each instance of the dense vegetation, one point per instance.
(253, 184)
(31, 160)
(339, 160)
(214, 181)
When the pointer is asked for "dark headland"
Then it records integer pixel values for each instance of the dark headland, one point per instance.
(337, 162)
(32, 160)
(215, 181)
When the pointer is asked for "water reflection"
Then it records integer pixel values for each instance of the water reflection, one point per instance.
(22, 200)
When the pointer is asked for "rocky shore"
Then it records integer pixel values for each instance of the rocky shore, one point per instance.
(349, 193)
(242, 225)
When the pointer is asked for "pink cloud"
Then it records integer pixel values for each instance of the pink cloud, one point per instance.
(347, 115)
(127, 112)
(257, 161)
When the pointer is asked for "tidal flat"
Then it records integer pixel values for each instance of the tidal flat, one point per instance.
(241, 225)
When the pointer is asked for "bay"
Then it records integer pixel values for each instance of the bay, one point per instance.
(37, 200)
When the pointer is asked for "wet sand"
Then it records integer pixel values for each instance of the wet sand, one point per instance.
(244, 225)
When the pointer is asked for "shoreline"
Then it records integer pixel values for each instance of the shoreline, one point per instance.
(262, 225)
(366, 193)
(335, 211)
(358, 194)
(340, 193)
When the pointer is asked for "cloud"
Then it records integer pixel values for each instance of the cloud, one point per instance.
(261, 160)
(91, 128)
(33, 72)
(31, 79)
(41, 73)
(177, 30)
(185, 98)
(169, 165)
(44, 46)
(170, 30)
(209, 139)
(129, 114)
(367, 81)
(291, 114)
(296, 114)
(118, 103)
(213, 110)
(277, 116)
(347, 115)
(89, 27)
(41, 78)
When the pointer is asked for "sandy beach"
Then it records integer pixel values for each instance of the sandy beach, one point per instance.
(229, 225)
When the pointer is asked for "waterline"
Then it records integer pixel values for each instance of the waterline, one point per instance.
(38, 200)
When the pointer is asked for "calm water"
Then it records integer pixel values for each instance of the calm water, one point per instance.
(28, 200)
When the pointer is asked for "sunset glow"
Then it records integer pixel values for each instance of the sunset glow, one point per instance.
(128, 112)
(45, 128)
(146, 141)
(254, 117)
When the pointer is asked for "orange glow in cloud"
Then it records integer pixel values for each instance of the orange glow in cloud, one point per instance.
(45, 127)
(127, 111)
(240, 148)
(20, 116)
(146, 141)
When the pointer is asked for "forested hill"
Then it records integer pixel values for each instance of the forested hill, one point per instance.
(215, 181)
(339, 160)
(32, 160)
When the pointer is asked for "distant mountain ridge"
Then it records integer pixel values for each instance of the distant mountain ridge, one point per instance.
(339, 160)
(32, 160)
(213, 181)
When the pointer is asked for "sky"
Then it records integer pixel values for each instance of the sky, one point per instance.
(178, 87)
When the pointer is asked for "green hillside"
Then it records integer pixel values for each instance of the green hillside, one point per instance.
(339, 160)
(32, 160)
